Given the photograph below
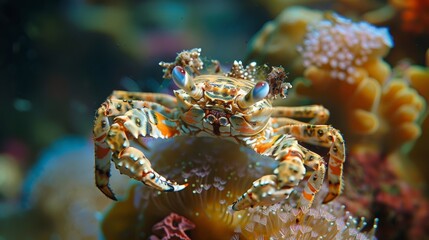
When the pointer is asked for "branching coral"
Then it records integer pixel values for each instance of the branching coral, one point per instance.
(219, 172)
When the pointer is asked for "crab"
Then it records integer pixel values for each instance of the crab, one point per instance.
(236, 106)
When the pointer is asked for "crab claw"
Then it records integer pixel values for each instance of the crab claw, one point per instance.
(108, 192)
(258, 92)
(185, 81)
(133, 163)
(264, 192)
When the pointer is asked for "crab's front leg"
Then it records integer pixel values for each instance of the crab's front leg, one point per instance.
(271, 189)
(138, 120)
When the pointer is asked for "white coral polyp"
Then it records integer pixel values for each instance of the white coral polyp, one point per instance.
(340, 45)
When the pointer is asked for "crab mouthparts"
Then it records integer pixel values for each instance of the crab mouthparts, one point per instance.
(216, 129)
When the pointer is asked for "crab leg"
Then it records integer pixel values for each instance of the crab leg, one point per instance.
(314, 183)
(277, 122)
(325, 136)
(317, 113)
(272, 189)
(134, 119)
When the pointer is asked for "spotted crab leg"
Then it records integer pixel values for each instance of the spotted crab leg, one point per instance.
(325, 136)
(317, 113)
(314, 183)
(271, 189)
(133, 119)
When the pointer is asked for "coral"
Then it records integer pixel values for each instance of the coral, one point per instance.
(373, 187)
(340, 47)
(276, 42)
(371, 105)
(219, 172)
(380, 113)
(400, 109)
(418, 77)
(173, 226)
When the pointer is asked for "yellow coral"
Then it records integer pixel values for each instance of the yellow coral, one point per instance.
(353, 103)
(400, 109)
(418, 76)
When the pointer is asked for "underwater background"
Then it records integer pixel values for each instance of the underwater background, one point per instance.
(59, 60)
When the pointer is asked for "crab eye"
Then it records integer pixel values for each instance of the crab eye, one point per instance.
(211, 119)
(179, 76)
(260, 90)
(223, 121)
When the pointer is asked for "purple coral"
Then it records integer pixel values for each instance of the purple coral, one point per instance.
(173, 226)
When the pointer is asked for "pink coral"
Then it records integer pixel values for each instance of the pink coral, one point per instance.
(341, 46)
(173, 226)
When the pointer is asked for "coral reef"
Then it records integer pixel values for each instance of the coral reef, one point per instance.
(218, 172)
(375, 188)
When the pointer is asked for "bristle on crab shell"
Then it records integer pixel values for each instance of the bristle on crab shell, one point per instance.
(276, 79)
(241, 72)
(186, 59)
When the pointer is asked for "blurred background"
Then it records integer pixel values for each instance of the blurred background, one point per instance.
(59, 60)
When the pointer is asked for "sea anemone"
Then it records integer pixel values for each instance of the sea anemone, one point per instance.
(218, 172)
